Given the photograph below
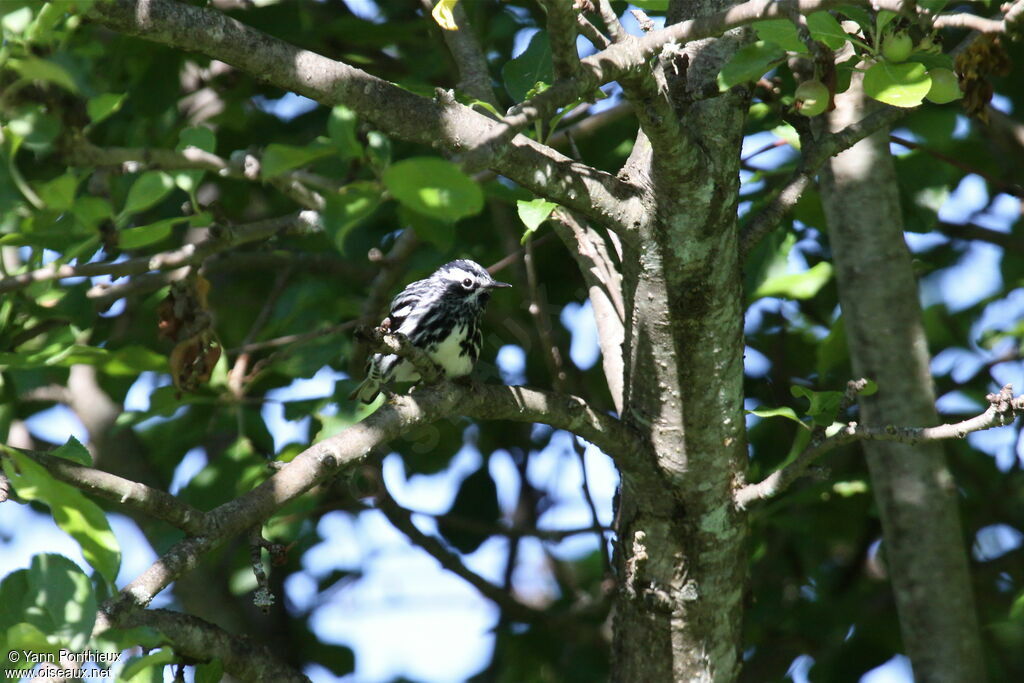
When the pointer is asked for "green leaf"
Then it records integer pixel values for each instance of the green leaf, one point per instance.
(901, 85)
(38, 69)
(932, 61)
(784, 411)
(850, 488)
(148, 667)
(788, 133)
(749, 63)
(782, 32)
(131, 360)
(17, 21)
(826, 28)
(351, 205)
(378, 149)
(59, 193)
(279, 159)
(199, 137)
(35, 128)
(64, 594)
(73, 512)
(42, 29)
(91, 211)
(870, 389)
(532, 67)
(145, 235)
(439, 233)
(824, 405)
(74, 451)
(15, 605)
(797, 285)
(859, 15)
(209, 672)
(476, 501)
(883, 19)
(651, 5)
(103, 106)
(434, 187)
(533, 213)
(341, 127)
(769, 259)
(147, 190)
(28, 637)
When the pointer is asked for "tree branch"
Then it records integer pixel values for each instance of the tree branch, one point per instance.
(131, 494)
(562, 35)
(439, 122)
(200, 640)
(392, 268)
(970, 231)
(611, 22)
(604, 288)
(381, 340)
(616, 60)
(1011, 16)
(243, 166)
(814, 155)
(356, 444)
(1003, 409)
(220, 239)
(402, 520)
(469, 58)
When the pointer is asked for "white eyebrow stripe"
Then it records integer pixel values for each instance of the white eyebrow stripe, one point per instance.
(403, 311)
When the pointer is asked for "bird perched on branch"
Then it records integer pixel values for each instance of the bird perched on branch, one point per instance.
(439, 314)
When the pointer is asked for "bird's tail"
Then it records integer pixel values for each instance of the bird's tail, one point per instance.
(367, 391)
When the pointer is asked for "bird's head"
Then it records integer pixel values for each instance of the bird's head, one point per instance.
(468, 280)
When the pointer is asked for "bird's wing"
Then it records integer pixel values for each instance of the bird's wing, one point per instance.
(403, 304)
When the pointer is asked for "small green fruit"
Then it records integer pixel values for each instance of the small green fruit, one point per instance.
(945, 86)
(896, 47)
(812, 98)
(929, 45)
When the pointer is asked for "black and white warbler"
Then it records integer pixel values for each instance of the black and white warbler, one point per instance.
(441, 315)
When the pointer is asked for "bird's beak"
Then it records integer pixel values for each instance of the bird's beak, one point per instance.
(498, 285)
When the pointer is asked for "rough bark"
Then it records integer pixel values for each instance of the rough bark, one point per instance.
(915, 492)
(680, 554)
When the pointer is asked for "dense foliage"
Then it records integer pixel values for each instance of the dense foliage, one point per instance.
(122, 151)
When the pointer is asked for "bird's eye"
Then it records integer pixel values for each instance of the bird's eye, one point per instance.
(467, 283)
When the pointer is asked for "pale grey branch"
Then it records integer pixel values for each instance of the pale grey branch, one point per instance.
(1003, 409)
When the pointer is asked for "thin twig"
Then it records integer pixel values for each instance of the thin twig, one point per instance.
(469, 58)
(542, 321)
(294, 339)
(1003, 409)
(245, 166)
(592, 33)
(382, 341)
(402, 520)
(219, 240)
(595, 520)
(611, 22)
(786, 197)
(1002, 186)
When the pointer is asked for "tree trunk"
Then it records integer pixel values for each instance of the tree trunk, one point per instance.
(915, 492)
(681, 556)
